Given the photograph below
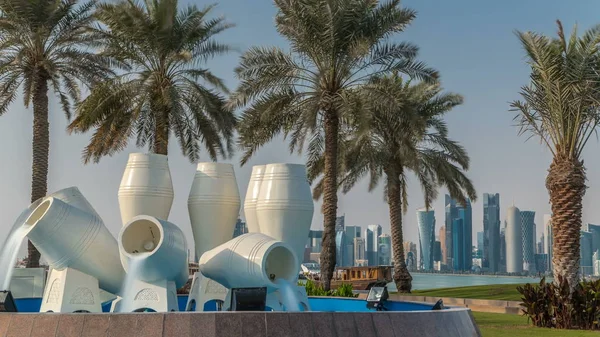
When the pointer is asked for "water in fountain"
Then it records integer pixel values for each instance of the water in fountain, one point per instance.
(289, 296)
(10, 249)
(136, 263)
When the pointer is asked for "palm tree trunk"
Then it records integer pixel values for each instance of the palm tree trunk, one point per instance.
(402, 277)
(41, 147)
(331, 121)
(566, 185)
(161, 136)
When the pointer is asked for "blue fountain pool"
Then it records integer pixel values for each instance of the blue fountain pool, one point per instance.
(316, 304)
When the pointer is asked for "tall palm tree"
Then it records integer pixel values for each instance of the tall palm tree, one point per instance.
(560, 106)
(162, 86)
(45, 45)
(308, 92)
(406, 134)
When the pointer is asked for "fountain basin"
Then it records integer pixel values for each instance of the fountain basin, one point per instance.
(348, 319)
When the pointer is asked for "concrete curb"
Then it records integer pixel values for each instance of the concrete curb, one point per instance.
(491, 306)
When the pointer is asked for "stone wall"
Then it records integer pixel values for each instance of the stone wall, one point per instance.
(452, 322)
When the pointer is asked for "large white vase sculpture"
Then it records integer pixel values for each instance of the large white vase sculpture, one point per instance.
(285, 207)
(213, 205)
(154, 254)
(146, 187)
(251, 198)
(69, 237)
(250, 260)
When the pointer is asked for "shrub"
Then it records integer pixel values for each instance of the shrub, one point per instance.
(315, 289)
(552, 305)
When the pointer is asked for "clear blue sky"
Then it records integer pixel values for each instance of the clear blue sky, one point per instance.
(471, 42)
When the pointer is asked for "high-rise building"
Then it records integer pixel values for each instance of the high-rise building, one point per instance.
(315, 238)
(528, 240)
(491, 229)
(384, 250)
(426, 227)
(548, 236)
(442, 236)
(542, 243)
(352, 232)
(596, 261)
(410, 246)
(437, 251)
(359, 250)
(371, 234)
(480, 244)
(458, 243)
(595, 230)
(585, 262)
(450, 214)
(340, 223)
(514, 241)
(240, 228)
(340, 250)
(502, 264)
(541, 262)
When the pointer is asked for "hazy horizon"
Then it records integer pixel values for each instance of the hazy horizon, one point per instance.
(471, 43)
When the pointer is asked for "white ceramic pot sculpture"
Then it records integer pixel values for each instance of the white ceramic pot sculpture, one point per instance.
(69, 237)
(285, 207)
(160, 244)
(213, 205)
(72, 196)
(146, 187)
(250, 260)
(251, 198)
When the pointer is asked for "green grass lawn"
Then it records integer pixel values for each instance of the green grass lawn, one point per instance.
(503, 292)
(500, 325)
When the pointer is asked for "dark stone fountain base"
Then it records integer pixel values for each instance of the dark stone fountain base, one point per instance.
(452, 322)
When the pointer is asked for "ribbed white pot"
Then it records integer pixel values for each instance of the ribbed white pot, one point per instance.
(251, 198)
(69, 237)
(284, 208)
(250, 260)
(74, 197)
(160, 248)
(146, 187)
(213, 205)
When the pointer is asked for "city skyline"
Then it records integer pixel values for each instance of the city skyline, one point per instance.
(483, 124)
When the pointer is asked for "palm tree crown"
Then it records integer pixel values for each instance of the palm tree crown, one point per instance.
(309, 92)
(406, 134)
(46, 44)
(560, 106)
(161, 87)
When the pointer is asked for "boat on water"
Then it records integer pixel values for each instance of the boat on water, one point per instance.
(361, 278)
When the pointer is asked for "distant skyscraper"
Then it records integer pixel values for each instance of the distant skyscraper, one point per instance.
(480, 243)
(541, 262)
(359, 250)
(340, 223)
(528, 240)
(410, 246)
(596, 262)
(426, 226)
(352, 232)
(491, 229)
(542, 249)
(514, 241)
(548, 237)
(240, 228)
(502, 266)
(384, 250)
(340, 250)
(371, 234)
(443, 243)
(450, 214)
(595, 230)
(315, 238)
(587, 267)
(437, 251)
(458, 242)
